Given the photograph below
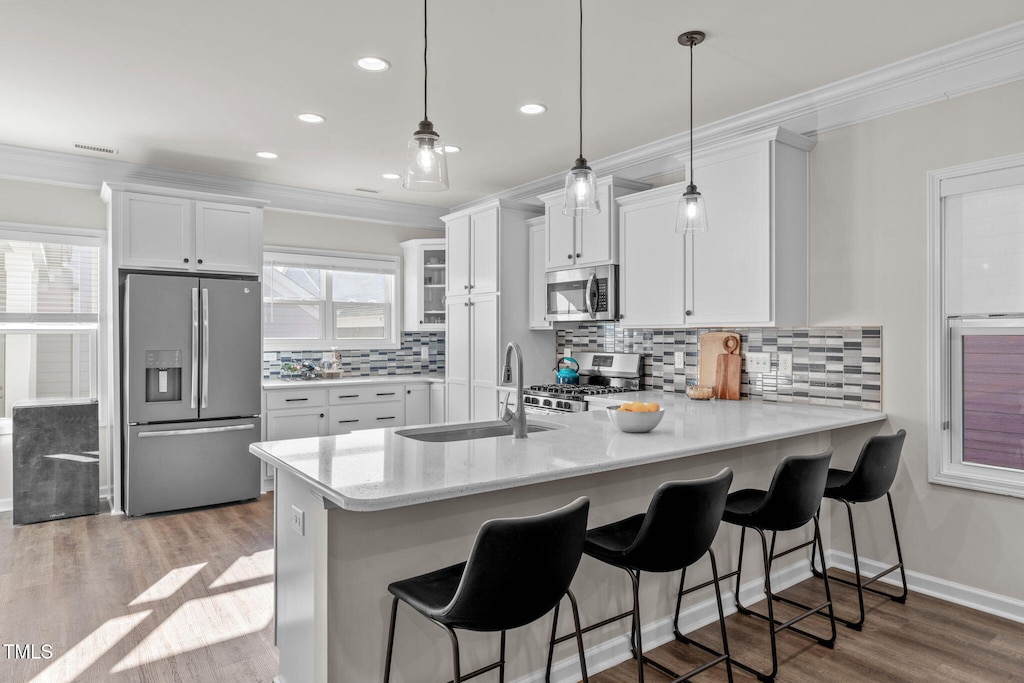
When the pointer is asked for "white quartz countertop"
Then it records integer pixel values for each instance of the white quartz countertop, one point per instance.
(382, 379)
(378, 469)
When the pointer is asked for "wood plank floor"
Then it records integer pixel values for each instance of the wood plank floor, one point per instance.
(188, 598)
(923, 640)
(179, 597)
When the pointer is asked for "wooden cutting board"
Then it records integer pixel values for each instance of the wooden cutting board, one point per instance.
(728, 376)
(711, 345)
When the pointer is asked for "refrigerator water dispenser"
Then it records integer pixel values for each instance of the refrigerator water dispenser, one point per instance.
(163, 376)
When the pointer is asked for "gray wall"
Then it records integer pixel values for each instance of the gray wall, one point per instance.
(869, 261)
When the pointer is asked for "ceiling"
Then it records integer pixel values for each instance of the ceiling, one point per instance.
(202, 86)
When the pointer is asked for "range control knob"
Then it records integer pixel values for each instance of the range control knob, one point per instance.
(547, 403)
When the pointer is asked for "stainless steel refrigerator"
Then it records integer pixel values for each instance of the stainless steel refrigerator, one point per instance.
(191, 398)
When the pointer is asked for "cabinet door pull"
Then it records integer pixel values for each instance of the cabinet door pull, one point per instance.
(688, 312)
(201, 260)
(568, 256)
(292, 400)
(342, 422)
(348, 396)
(185, 260)
(321, 414)
(577, 256)
(386, 418)
(389, 393)
(465, 286)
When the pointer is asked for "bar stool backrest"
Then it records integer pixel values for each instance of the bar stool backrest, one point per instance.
(795, 492)
(875, 469)
(680, 524)
(519, 569)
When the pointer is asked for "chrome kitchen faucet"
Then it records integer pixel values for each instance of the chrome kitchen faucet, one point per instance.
(515, 418)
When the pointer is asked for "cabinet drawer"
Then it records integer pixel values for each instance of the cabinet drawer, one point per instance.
(294, 398)
(344, 419)
(365, 394)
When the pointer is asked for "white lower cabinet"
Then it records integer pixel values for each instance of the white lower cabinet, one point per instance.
(417, 404)
(437, 403)
(749, 268)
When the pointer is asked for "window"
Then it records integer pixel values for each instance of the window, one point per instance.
(322, 300)
(49, 314)
(976, 418)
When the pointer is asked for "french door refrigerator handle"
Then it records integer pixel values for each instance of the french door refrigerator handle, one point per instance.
(206, 348)
(195, 347)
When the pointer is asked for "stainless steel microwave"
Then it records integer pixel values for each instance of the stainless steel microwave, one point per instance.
(583, 294)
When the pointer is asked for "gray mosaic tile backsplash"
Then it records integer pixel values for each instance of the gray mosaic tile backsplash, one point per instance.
(832, 366)
(407, 360)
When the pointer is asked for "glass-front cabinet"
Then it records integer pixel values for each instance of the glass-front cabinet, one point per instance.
(424, 275)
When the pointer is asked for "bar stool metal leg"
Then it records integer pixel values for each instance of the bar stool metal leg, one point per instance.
(391, 641)
(722, 656)
(859, 583)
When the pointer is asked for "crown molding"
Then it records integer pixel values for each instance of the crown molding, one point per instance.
(71, 170)
(985, 61)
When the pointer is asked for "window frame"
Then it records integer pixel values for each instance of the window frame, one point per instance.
(61, 323)
(945, 463)
(337, 260)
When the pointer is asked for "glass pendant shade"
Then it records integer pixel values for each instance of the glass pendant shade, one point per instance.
(581, 191)
(426, 167)
(691, 214)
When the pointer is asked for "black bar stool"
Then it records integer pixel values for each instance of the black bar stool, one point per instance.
(790, 502)
(871, 478)
(681, 522)
(518, 570)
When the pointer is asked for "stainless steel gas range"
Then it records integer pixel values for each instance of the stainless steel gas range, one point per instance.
(600, 373)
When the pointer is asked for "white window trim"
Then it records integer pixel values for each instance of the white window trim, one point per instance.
(325, 258)
(943, 466)
(60, 323)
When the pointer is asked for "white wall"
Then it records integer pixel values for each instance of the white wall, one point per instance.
(282, 229)
(868, 259)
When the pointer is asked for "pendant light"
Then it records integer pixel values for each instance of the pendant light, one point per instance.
(426, 168)
(580, 183)
(692, 215)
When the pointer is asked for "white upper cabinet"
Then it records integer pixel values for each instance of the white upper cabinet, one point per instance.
(423, 284)
(587, 240)
(473, 266)
(162, 229)
(228, 238)
(749, 268)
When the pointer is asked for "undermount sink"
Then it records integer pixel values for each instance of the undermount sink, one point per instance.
(470, 430)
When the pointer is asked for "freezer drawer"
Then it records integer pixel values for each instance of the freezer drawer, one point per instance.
(174, 466)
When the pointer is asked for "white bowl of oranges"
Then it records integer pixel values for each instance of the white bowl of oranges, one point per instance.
(636, 417)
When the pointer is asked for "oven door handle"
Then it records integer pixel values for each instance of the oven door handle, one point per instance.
(591, 293)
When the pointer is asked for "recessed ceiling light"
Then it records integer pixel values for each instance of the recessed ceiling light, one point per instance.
(533, 109)
(266, 155)
(373, 64)
(452, 149)
(311, 118)
(390, 176)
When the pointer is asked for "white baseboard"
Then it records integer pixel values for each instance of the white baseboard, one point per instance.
(957, 593)
(6, 504)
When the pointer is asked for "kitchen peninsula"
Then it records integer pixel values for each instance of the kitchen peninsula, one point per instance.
(354, 512)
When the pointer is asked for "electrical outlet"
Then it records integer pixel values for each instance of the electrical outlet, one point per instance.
(567, 352)
(425, 354)
(759, 362)
(298, 521)
(786, 364)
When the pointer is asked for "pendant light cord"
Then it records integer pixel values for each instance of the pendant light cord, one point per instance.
(691, 111)
(581, 79)
(425, 61)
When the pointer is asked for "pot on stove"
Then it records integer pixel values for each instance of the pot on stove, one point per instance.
(567, 375)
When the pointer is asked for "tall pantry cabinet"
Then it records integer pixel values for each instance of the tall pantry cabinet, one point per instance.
(487, 306)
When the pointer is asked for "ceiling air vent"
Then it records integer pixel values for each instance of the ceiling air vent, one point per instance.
(95, 148)
(367, 190)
